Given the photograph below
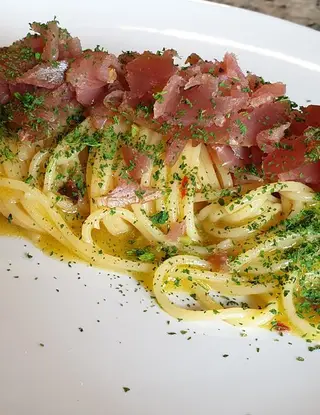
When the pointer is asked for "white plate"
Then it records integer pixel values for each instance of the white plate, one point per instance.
(84, 372)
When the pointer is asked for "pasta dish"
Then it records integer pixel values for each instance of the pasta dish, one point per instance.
(199, 176)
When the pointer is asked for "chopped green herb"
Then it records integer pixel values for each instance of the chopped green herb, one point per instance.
(160, 218)
(139, 193)
(313, 348)
(169, 251)
(29, 102)
(158, 96)
(286, 99)
(99, 48)
(26, 54)
(29, 179)
(242, 126)
(143, 254)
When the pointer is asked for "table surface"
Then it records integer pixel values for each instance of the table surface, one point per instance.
(305, 12)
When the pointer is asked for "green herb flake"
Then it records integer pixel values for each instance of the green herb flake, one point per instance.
(29, 102)
(29, 179)
(99, 48)
(139, 193)
(284, 98)
(160, 218)
(159, 96)
(313, 348)
(242, 127)
(143, 254)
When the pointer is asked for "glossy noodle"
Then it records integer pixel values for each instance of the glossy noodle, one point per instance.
(246, 224)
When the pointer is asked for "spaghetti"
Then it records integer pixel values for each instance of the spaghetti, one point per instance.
(247, 253)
